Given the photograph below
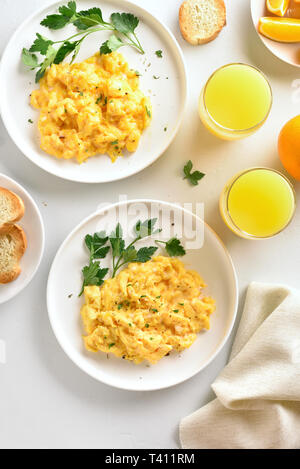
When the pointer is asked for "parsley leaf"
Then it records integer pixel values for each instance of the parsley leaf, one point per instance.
(67, 13)
(130, 254)
(116, 241)
(147, 228)
(55, 21)
(30, 60)
(173, 247)
(64, 51)
(111, 45)
(125, 23)
(88, 18)
(192, 177)
(145, 254)
(40, 44)
(68, 10)
(159, 54)
(96, 245)
(50, 57)
(93, 275)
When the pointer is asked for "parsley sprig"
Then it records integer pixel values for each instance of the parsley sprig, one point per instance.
(123, 255)
(193, 177)
(123, 26)
(99, 245)
(93, 274)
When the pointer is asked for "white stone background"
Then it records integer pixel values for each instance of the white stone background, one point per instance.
(45, 401)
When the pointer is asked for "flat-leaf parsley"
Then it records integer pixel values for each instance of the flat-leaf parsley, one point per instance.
(87, 22)
(194, 177)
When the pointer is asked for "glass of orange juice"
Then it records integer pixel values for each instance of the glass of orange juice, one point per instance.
(258, 203)
(235, 102)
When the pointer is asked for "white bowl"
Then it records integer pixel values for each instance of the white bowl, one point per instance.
(212, 261)
(289, 53)
(168, 93)
(32, 224)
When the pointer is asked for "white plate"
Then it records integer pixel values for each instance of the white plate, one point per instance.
(212, 261)
(289, 53)
(168, 93)
(33, 226)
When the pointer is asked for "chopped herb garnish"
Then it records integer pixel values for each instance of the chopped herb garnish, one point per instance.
(115, 142)
(111, 345)
(30, 121)
(154, 310)
(155, 77)
(159, 54)
(99, 99)
(147, 326)
(175, 310)
(148, 111)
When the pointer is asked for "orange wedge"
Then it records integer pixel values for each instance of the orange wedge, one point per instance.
(278, 7)
(280, 29)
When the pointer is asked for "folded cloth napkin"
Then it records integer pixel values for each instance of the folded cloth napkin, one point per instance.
(258, 392)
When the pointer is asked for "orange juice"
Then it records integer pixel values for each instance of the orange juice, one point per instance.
(235, 102)
(257, 203)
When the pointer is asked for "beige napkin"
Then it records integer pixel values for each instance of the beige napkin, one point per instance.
(258, 392)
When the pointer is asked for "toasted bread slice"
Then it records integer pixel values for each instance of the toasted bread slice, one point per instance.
(13, 244)
(11, 207)
(201, 20)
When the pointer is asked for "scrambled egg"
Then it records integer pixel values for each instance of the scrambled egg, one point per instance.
(146, 311)
(91, 107)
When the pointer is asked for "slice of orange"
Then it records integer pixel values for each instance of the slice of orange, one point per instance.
(278, 7)
(280, 29)
(289, 147)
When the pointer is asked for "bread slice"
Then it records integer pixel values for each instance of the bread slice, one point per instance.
(13, 244)
(201, 20)
(11, 207)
